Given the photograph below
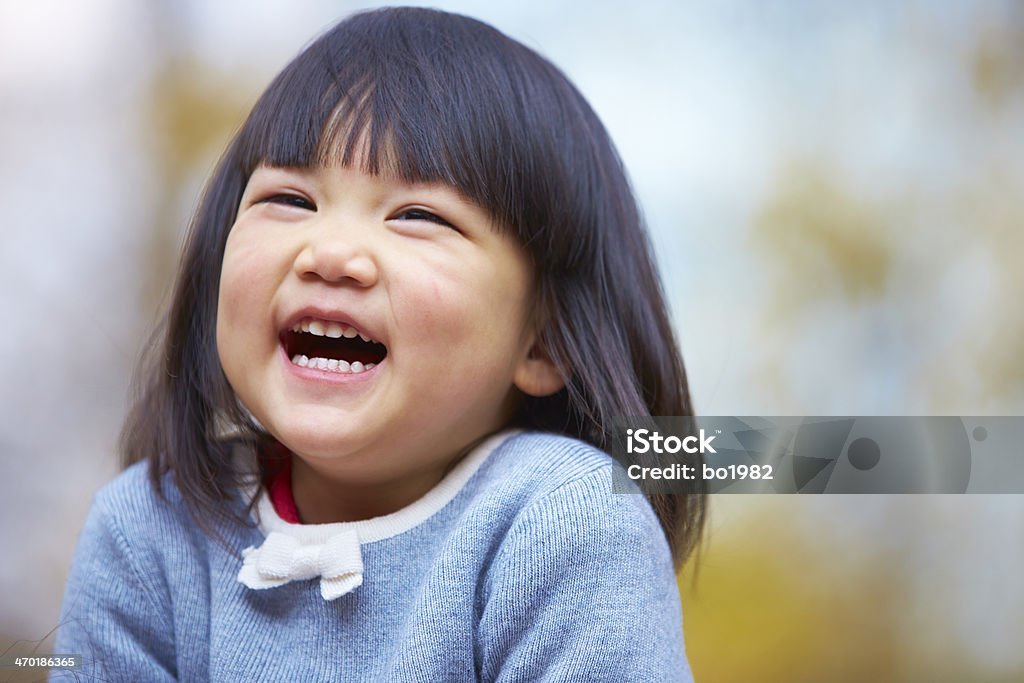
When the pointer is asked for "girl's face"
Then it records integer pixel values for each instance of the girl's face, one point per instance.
(321, 260)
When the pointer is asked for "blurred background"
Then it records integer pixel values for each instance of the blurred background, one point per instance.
(836, 195)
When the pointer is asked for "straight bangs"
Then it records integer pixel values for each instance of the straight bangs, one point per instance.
(427, 97)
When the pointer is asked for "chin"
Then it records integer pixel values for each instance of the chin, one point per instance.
(310, 437)
(319, 446)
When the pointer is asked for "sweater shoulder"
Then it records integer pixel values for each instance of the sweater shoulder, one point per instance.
(535, 469)
(132, 493)
(550, 461)
(582, 583)
(141, 512)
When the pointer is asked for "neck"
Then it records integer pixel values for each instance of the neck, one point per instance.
(322, 499)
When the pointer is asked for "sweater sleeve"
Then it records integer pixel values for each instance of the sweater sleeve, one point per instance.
(112, 615)
(583, 589)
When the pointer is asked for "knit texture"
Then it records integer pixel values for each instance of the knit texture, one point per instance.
(534, 571)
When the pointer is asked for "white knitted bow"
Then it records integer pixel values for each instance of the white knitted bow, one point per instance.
(283, 558)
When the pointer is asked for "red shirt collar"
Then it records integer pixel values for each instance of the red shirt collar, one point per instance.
(277, 478)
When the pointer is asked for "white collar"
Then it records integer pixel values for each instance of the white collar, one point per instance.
(332, 552)
(386, 526)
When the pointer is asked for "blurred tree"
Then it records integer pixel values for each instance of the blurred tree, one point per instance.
(937, 253)
(193, 113)
(993, 204)
(766, 607)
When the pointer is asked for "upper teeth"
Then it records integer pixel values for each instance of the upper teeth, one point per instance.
(324, 328)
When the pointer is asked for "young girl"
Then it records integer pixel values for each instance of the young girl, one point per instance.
(368, 446)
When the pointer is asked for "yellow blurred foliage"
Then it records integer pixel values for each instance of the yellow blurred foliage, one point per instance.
(772, 598)
(194, 111)
(764, 607)
(831, 244)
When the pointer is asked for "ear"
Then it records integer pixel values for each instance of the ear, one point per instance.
(536, 374)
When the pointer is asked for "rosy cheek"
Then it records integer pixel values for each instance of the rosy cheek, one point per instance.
(232, 295)
(435, 289)
(246, 269)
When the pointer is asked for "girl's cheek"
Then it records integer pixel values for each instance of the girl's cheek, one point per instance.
(230, 297)
(243, 298)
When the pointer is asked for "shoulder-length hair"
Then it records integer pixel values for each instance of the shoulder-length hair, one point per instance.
(435, 97)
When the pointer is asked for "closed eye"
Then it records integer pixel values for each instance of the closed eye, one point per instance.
(298, 201)
(421, 215)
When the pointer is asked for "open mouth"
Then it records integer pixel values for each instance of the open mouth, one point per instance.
(331, 346)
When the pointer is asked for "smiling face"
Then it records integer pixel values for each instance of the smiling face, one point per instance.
(375, 328)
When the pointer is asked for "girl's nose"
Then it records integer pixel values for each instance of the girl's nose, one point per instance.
(337, 258)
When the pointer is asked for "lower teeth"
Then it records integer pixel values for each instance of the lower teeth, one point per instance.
(332, 365)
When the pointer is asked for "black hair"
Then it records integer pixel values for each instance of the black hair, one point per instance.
(430, 96)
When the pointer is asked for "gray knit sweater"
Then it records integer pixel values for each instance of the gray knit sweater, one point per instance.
(522, 565)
